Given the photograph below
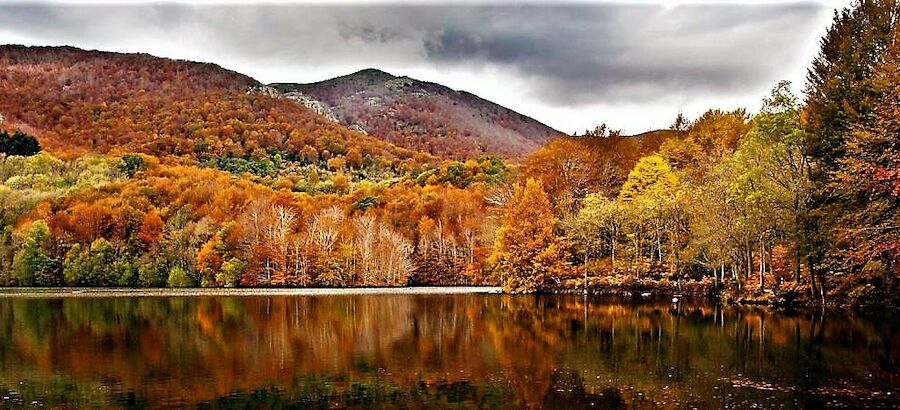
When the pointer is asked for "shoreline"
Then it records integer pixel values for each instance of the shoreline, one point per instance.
(195, 292)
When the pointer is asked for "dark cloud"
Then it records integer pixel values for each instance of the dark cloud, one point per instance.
(568, 55)
(581, 54)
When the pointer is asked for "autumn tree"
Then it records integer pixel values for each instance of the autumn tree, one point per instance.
(151, 230)
(708, 138)
(598, 227)
(651, 192)
(869, 178)
(771, 184)
(528, 255)
(840, 97)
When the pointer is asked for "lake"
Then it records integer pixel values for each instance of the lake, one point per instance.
(433, 350)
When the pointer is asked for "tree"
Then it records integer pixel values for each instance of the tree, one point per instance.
(527, 253)
(839, 98)
(151, 229)
(840, 91)
(18, 143)
(132, 164)
(715, 134)
(681, 123)
(230, 275)
(179, 278)
(869, 178)
(772, 180)
(651, 196)
(598, 226)
(31, 266)
(98, 266)
(651, 177)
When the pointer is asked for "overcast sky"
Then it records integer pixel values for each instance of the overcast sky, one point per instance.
(633, 65)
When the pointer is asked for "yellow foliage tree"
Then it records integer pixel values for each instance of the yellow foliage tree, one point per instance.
(527, 254)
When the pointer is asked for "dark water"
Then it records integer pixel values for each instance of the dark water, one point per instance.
(437, 351)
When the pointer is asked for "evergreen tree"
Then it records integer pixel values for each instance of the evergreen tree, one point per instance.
(31, 266)
(19, 143)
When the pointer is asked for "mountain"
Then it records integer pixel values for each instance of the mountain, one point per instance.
(78, 101)
(422, 116)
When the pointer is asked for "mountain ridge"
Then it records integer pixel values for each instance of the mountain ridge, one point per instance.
(78, 101)
(425, 116)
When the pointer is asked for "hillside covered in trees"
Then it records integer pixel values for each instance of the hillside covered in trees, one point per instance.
(424, 116)
(154, 172)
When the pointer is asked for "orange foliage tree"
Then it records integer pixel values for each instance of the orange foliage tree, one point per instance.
(527, 253)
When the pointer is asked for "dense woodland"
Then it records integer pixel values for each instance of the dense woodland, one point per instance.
(151, 172)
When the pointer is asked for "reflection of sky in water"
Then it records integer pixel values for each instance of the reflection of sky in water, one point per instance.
(435, 350)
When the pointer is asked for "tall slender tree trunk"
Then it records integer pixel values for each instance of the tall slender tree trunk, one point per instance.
(812, 283)
(735, 276)
(749, 257)
(889, 281)
(613, 253)
(658, 246)
(822, 287)
(762, 266)
(586, 273)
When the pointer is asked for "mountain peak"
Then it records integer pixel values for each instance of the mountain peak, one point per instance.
(426, 116)
(372, 72)
(368, 76)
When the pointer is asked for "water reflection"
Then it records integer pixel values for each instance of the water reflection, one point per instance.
(427, 351)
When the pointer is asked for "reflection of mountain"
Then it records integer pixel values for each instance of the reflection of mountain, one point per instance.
(422, 351)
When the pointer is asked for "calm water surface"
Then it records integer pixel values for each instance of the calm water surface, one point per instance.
(427, 351)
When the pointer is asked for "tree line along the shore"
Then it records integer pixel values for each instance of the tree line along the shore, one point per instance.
(795, 204)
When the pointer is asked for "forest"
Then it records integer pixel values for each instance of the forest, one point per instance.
(126, 170)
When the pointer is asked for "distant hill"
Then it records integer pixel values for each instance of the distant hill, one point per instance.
(423, 116)
(78, 101)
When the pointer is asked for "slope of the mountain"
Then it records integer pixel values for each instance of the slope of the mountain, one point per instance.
(90, 101)
(424, 116)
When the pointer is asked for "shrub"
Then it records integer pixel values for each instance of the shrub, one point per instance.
(179, 278)
(19, 143)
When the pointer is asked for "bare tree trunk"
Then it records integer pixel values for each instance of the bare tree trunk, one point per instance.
(734, 276)
(812, 285)
(613, 254)
(585, 272)
(749, 257)
(822, 287)
(889, 284)
(762, 266)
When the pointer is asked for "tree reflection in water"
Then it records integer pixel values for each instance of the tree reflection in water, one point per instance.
(428, 350)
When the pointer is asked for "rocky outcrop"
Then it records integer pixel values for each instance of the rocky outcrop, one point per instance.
(309, 102)
(313, 104)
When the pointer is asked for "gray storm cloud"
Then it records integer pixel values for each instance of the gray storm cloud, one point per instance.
(568, 55)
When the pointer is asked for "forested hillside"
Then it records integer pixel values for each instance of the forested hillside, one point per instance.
(160, 172)
(129, 170)
(426, 116)
(88, 101)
